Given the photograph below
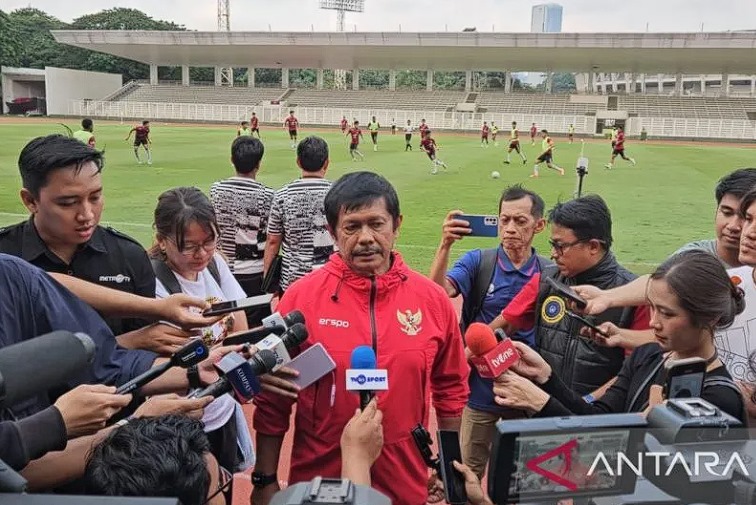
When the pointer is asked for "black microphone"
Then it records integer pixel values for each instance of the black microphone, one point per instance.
(276, 325)
(189, 355)
(39, 364)
(239, 376)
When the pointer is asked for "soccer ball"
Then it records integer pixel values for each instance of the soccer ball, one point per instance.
(495, 175)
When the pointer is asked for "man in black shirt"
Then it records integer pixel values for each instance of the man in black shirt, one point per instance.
(62, 188)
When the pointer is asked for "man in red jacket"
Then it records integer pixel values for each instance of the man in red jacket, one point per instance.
(367, 295)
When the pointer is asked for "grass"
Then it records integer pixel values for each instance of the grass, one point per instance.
(665, 201)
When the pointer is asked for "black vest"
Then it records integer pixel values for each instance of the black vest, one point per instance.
(582, 365)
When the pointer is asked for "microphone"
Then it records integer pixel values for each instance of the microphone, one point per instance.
(275, 319)
(36, 365)
(490, 358)
(295, 335)
(364, 377)
(272, 324)
(239, 376)
(189, 355)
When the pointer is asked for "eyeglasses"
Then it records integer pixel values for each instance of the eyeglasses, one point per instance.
(193, 250)
(225, 484)
(559, 247)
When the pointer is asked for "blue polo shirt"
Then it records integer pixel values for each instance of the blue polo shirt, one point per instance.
(507, 282)
(33, 304)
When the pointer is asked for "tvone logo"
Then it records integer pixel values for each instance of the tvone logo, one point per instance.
(503, 357)
(334, 323)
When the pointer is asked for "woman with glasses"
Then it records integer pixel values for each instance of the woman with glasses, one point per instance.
(690, 296)
(186, 236)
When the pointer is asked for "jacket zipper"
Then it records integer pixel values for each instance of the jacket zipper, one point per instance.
(373, 328)
(569, 356)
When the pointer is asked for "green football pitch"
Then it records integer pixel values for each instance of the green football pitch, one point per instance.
(663, 202)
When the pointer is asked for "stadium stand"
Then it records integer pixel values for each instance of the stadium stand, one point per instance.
(529, 103)
(377, 99)
(162, 93)
(687, 107)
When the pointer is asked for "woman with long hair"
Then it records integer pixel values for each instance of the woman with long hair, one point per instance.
(690, 296)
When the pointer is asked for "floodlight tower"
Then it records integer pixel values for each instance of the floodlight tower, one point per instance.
(342, 7)
(224, 25)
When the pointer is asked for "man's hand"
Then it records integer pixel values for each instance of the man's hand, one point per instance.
(597, 299)
(85, 409)
(454, 229)
(185, 311)
(435, 488)
(615, 338)
(161, 405)
(514, 391)
(264, 495)
(362, 438)
(475, 493)
(531, 364)
(278, 384)
(207, 371)
(163, 339)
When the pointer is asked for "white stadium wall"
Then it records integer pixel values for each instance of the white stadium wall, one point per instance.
(64, 85)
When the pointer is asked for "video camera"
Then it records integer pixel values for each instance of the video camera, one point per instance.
(686, 451)
(320, 491)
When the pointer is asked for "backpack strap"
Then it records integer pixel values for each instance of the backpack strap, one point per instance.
(725, 382)
(166, 276)
(483, 277)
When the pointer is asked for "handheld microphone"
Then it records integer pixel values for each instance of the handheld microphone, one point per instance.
(275, 319)
(295, 335)
(272, 324)
(490, 358)
(364, 377)
(189, 355)
(36, 365)
(239, 376)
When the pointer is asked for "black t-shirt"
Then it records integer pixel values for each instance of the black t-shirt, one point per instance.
(624, 394)
(109, 258)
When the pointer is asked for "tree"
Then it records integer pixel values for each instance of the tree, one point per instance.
(10, 49)
(38, 48)
(412, 79)
(563, 82)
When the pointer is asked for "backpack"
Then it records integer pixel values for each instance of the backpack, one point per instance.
(166, 276)
(483, 277)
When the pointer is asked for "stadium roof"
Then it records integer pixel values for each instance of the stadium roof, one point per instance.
(696, 53)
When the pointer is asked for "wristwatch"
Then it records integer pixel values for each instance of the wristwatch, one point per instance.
(261, 480)
(192, 374)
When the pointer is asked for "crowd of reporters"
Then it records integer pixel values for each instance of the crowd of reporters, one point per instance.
(140, 309)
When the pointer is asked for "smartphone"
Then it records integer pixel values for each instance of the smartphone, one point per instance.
(312, 364)
(684, 378)
(566, 292)
(221, 308)
(587, 323)
(481, 226)
(448, 451)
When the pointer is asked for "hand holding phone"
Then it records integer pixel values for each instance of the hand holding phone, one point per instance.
(587, 323)
(566, 292)
(449, 451)
(221, 308)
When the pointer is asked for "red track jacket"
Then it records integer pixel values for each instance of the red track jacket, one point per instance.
(411, 323)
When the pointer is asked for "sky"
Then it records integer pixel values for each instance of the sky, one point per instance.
(429, 15)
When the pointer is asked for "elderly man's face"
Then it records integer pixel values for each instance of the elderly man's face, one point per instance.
(366, 236)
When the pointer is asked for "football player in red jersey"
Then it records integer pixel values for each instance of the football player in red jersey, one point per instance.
(429, 147)
(533, 133)
(619, 148)
(141, 138)
(254, 125)
(292, 124)
(344, 124)
(356, 134)
(484, 135)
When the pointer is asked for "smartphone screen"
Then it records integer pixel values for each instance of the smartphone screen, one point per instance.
(684, 378)
(566, 292)
(449, 451)
(220, 308)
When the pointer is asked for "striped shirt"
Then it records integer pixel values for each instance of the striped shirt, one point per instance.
(242, 206)
(298, 214)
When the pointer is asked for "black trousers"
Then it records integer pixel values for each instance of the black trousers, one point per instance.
(252, 285)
